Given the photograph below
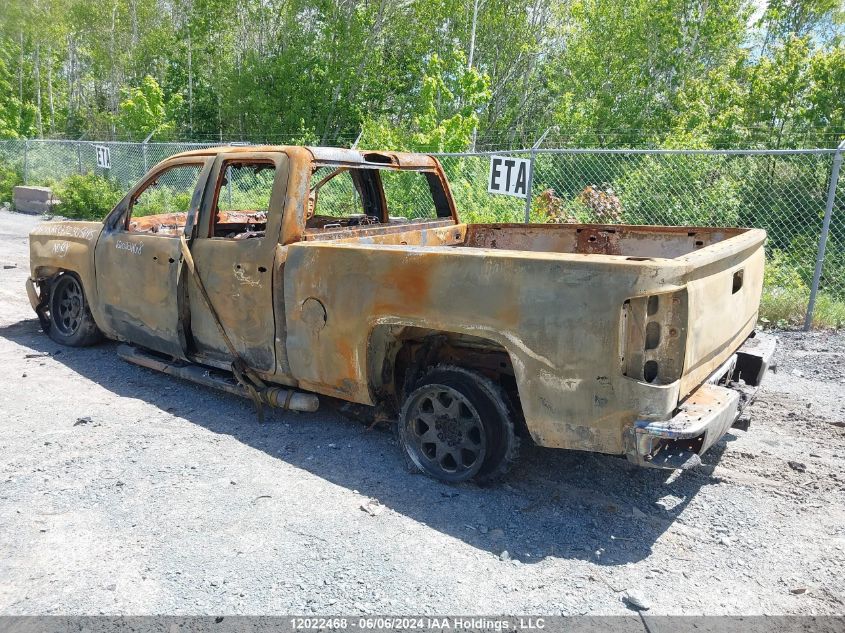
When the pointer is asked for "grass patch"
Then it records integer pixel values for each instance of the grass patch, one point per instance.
(786, 308)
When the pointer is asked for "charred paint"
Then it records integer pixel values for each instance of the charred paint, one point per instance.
(543, 303)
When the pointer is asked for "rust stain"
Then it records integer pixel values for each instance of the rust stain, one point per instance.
(346, 352)
(537, 300)
(407, 288)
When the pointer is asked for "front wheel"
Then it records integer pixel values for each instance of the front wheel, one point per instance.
(456, 425)
(71, 322)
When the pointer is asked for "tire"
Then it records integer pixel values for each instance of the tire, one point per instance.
(456, 425)
(71, 322)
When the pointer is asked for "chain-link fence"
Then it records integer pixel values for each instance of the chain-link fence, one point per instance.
(793, 194)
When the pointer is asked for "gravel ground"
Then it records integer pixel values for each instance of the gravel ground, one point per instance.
(123, 491)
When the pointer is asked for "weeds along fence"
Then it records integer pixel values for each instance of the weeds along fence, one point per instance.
(795, 195)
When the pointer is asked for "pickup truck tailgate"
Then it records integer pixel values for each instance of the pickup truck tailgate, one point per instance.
(724, 283)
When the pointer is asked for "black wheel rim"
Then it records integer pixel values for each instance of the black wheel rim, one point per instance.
(444, 433)
(69, 306)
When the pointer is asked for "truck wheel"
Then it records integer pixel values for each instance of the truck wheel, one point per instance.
(71, 322)
(456, 425)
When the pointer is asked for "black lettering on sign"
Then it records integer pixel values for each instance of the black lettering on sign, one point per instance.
(509, 164)
(495, 173)
(509, 176)
(521, 186)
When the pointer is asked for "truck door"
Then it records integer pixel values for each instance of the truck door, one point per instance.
(234, 249)
(137, 256)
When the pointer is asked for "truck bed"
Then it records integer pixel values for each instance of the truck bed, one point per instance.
(636, 242)
(630, 241)
(604, 325)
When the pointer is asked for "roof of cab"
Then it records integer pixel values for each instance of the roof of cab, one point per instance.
(325, 154)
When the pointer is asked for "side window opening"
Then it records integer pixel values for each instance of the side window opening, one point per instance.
(342, 196)
(242, 199)
(161, 206)
(413, 196)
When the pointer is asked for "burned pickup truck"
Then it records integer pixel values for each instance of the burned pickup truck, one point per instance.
(287, 274)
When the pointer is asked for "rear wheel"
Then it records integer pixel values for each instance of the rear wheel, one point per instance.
(71, 322)
(456, 425)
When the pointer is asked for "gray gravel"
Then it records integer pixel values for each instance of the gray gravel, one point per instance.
(123, 491)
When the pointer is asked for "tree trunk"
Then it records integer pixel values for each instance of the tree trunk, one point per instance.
(38, 122)
(50, 87)
(114, 82)
(190, 88)
(472, 34)
(20, 70)
(71, 75)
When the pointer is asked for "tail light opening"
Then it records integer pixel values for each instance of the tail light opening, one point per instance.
(653, 337)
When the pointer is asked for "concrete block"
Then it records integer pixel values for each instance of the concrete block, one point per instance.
(37, 200)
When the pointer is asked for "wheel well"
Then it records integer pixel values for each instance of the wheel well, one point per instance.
(399, 355)
(46, 277)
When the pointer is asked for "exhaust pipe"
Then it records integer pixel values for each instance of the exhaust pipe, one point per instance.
(279, 397)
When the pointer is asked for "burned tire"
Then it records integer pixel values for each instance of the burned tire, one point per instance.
(71, 322)
(456, 425)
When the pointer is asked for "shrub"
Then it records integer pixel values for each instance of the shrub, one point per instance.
(162, 199)
(10, 177)
(87, 197)
(786, 295)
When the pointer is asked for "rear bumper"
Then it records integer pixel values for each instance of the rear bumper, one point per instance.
(706, 415)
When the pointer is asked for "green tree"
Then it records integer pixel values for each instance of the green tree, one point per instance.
(445, 114)
(825, 101)
(16, 119)
(144, 110)
(626, 66)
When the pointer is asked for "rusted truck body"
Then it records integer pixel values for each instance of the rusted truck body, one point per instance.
(626, 340)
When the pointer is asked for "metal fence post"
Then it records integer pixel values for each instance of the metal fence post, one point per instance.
(26, 162)
(531, 160)
(144, 149)
(528, 194)
(828, 212)
(79, 157)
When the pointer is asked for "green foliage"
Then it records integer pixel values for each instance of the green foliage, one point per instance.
(10, 177)
(825, 102)
(444, 116)
(144, 110)
(16, 119)
(686, 191)
(163, 199)
(786, 292)
(627, 65)
(87, 197)
(417, 75)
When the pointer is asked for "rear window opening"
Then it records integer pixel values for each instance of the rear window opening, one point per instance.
(343, 197)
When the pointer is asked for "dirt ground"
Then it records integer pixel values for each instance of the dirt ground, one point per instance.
(123, 491)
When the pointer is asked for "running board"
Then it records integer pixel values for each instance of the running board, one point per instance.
(224, 381)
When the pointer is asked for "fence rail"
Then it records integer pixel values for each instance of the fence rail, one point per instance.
(794, 194)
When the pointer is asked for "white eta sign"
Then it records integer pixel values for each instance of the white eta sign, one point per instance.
(509, 176)
(103, 156)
